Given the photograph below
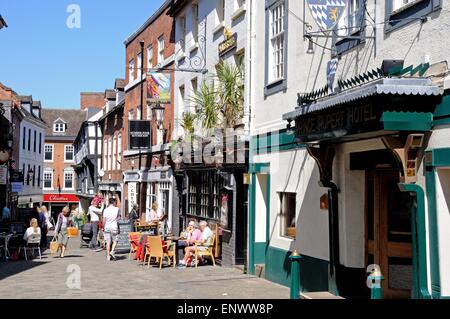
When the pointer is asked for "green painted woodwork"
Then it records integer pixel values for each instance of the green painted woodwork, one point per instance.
(260, 253)
(419, 233)
(441, 157)
(443, 108)
(313, 271)
(257, 251)
(295, 276)
(251, 226)
(376, 292)
(430, 177)
(276, 141)
(407, 121)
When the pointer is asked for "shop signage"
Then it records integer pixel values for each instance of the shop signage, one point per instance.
(350, 120)
(229, 43)
(140, 135)
(3, 174)
(60, 198)
(132, 195)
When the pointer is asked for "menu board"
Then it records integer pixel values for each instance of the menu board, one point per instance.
(123, 242)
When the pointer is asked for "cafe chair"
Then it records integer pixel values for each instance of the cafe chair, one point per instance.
(155, 249)
(134, 239)
(205, 251)
(33, 243)
(171, 252)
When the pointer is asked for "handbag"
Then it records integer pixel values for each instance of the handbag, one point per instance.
(54, 246)
(72, 232)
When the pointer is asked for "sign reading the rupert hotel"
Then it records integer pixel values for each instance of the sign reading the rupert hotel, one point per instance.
(353, 119)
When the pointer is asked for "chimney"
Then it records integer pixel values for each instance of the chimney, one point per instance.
(92, 100)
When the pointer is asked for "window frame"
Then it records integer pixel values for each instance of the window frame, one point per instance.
(59, 128)
(119, 151)
(29, 139)
(73, 181)
(151, 192)
(150, 56)
(161, 49)
(220, 12)
(273, 86)
(44, 180)
(34, 141)
(409, 13)
(283, 226)
(40, 143)
(344, 44)
(131, 65)
(195, 21)
(24, 138)
(53, 151)
(65, 154)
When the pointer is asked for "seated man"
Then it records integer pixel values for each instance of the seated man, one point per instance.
(205, 241)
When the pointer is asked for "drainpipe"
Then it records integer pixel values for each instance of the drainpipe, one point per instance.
(333, 227)
(419, 231)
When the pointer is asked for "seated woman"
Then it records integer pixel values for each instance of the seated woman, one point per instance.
(205, 238)
(33, 229)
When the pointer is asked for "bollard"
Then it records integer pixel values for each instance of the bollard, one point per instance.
(295, 275)
(375, 280)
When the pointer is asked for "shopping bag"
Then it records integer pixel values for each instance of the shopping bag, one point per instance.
(72, 232)
(54, 246)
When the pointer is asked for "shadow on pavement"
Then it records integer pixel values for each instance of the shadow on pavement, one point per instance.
(8, 269)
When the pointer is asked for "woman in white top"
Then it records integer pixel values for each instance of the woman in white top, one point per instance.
(153, 215)
(33, 229)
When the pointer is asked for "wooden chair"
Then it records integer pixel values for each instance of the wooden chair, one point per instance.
(133, 238)
(205, 251)
(171, 252)
(155, 249)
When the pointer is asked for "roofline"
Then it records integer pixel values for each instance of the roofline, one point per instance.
(115, 108)
(176, 7)
(149, 21)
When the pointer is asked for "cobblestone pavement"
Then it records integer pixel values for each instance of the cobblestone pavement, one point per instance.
(122, 279)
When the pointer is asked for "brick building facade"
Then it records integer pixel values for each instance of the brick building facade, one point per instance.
(147, 175)
(59, 176)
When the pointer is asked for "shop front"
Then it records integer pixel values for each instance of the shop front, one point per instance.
(56, 202)
(156, 185)
(113, 189)
(368, 144)
(213, 188)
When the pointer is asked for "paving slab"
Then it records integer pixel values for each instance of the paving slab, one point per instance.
(86, 274)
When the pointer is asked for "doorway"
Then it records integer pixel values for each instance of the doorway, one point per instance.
(389, 232)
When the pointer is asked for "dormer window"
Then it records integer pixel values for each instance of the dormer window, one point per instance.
(59, 126)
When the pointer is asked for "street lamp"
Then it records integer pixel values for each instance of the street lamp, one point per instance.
(158, 110)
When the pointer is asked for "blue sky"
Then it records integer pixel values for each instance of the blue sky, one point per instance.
(41, 56)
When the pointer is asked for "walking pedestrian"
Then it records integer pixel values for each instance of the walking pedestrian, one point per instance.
(95, 213)
(64, 221)
(44, 228)
(111, 228)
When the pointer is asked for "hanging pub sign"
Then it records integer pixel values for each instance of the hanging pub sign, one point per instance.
(331, 74)
(229, 43)
(140, 135)
(158, 88)
(326, 13)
